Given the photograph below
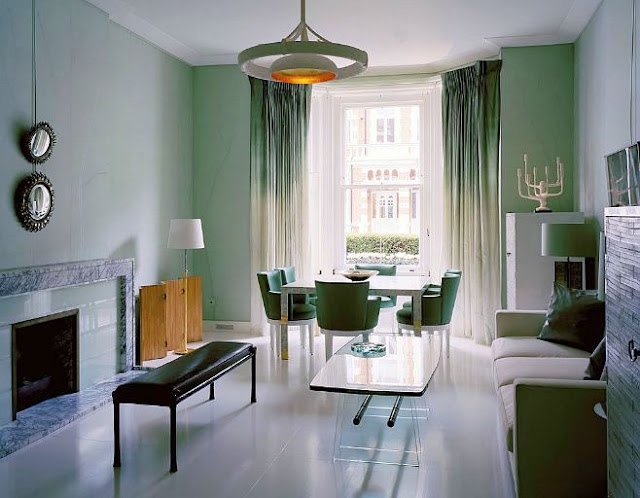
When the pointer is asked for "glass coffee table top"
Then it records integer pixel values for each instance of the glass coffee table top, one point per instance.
(405, 369)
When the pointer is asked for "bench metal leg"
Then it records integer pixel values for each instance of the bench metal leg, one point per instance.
(211, 392)
(174, 462)
(116, 434)
(253, 374)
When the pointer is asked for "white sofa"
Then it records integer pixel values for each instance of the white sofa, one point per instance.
(557, 444)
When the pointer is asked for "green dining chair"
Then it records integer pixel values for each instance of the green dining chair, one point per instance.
(437, 309)
(344, 309)
(288, 275)
(385, 271)
(300, 314)
(433, 288)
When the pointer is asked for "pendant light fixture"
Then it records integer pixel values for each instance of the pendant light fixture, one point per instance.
(300, 60)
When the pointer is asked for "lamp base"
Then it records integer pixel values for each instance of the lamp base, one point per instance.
(184, 351)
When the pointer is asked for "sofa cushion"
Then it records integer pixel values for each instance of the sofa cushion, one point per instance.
(574, 318)
(507, 347)
(597, 361)
(506, 370)
(506, 409)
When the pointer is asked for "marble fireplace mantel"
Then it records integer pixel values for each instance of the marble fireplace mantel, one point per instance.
(96, 285)
(38, 278)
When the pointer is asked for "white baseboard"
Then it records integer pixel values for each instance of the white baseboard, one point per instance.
(220, 326)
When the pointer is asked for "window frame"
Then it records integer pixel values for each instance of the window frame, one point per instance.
(328, 162)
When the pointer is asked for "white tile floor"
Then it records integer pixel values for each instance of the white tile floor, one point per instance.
(282, 446)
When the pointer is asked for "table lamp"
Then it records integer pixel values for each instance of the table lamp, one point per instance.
(185, 234)
(567, 241)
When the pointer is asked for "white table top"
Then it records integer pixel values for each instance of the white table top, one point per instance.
(405, 370)
(390, 285)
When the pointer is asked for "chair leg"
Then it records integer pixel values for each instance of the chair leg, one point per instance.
(116, 434)
(278, 344)
(328, 345)
(302, 337)
(272, 335)
(447, 335)
(174, 459)
(212, 391)
(310, 329)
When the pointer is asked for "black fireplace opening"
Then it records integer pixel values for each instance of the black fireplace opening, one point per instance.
(45, 359)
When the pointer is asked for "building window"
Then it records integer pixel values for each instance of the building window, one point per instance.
(394, 174)
(412, 174)
(386, 174)
(385, 125)
(382, 204)
(370, 175)
(390, 207)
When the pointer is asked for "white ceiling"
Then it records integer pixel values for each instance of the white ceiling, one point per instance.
(399, 35)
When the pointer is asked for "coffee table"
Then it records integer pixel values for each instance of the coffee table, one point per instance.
(404, 372)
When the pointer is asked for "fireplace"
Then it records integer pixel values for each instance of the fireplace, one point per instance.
(45, 359)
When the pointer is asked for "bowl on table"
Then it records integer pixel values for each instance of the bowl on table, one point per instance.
(358, 275)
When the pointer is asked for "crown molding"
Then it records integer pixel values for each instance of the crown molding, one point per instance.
(124, 15)
(576, 20)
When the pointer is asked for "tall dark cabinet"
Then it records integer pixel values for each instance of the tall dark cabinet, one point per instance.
(622, 267)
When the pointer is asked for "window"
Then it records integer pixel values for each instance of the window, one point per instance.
(380, 226)
(376, 198)
(390, 210)
(382, 203)
(385, 124)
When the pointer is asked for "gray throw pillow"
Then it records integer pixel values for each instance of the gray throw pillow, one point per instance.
(597, 360)
(574, 318)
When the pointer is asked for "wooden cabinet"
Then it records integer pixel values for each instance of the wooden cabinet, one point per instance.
(162, 314)
(529, 275)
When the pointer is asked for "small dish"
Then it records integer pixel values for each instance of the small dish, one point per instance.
(368, 349)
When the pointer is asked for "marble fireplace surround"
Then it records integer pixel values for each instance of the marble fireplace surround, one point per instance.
(44, 418)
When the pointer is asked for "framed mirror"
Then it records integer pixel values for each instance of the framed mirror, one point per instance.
(39, 142)
(35, 201)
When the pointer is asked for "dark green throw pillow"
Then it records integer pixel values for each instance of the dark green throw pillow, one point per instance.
(596, 362)
(574, 318)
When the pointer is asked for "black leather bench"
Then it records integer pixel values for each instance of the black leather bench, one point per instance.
(174, 381)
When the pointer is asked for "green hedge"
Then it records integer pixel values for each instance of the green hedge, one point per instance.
(382, 243)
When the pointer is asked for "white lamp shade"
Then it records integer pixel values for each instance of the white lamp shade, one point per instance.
(567, 240)
(185, 234)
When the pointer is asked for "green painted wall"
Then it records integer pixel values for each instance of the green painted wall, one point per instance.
(221, 190)
(123, 114)
(537, 106)
(603, 111)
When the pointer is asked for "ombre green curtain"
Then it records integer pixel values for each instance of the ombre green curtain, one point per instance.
(471, 140)
(279, 237)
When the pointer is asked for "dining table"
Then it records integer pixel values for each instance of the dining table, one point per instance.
(381, 285)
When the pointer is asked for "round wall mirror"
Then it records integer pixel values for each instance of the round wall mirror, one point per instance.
(35, 201)
(39, 142)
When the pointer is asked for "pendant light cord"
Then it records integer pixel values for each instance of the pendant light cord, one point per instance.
(632, 93)
(34, 73)
(33, 62)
